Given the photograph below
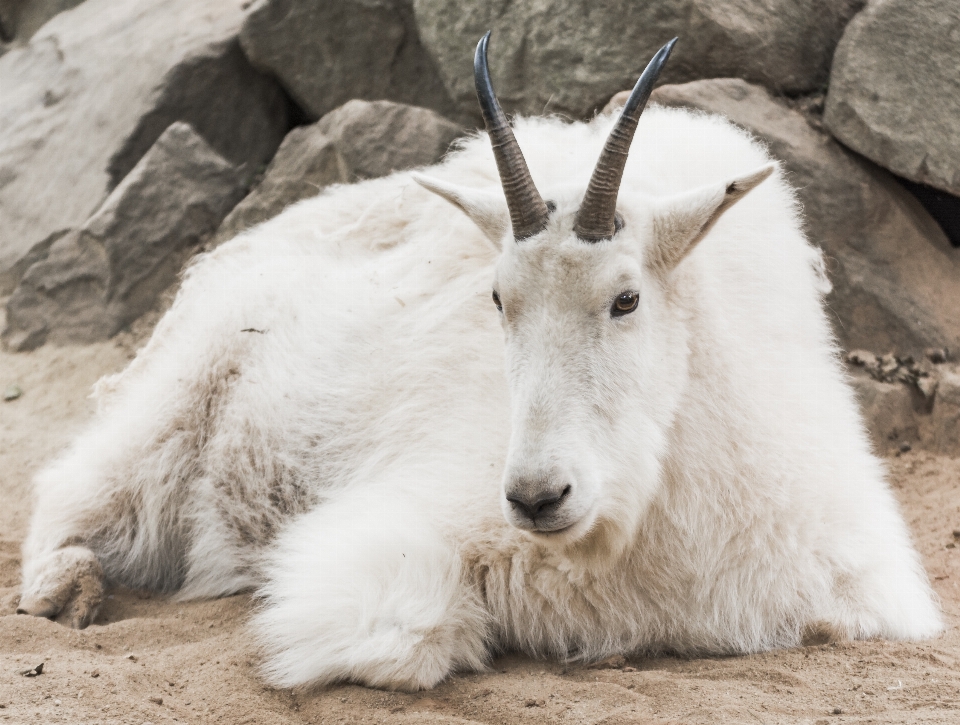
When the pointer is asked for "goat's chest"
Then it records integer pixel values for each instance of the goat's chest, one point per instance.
(545, 603)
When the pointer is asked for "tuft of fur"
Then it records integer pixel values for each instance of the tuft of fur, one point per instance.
(331, 407)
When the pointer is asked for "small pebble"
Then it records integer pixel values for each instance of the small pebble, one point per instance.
(905, 447)
(928, 386)
(956, 533)
(837, 711)
(156, 700)
(862, 358)
(12, 392)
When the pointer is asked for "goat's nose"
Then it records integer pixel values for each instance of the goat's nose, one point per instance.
(541, 503)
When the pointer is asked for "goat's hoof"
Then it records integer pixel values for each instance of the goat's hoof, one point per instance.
(820, 633)
(38, 607)
(68, 587)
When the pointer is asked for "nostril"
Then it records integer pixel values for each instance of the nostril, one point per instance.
(553, 501)
(521, 506)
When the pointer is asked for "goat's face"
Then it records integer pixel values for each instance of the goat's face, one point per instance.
(596, 352)
(594, 366)
(595, 349)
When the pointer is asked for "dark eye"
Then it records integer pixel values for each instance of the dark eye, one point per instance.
(496, 301)
(625, 303)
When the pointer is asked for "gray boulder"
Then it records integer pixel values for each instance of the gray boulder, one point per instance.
(899, 414)
(896, 279)
(895, 89)
(893, 412)
(20, 19)
(326, 53)
(96, 86)
(306, 162)
(359, 140)
(88, 283)
(378, 138)
(946, 414)
(570, 56)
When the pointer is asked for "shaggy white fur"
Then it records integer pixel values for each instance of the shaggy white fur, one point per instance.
(334, 411)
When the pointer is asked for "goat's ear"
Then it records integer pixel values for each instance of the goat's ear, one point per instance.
(680, 222)
(487, 209)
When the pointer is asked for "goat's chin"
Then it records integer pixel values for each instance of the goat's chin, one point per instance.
(597, 539)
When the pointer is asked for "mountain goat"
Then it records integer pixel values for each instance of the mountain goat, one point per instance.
(644, 443)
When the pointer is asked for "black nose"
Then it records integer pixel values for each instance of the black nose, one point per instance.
(542, 503)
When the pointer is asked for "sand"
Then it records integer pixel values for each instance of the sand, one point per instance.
(148, 659)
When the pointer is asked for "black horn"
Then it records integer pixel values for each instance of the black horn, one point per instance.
(528, 212)
(596, 218)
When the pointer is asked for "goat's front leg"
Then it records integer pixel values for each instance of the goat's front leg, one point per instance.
(106, 509)
(366, 589)
(63, 578)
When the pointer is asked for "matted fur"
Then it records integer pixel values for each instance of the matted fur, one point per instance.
(329, 413)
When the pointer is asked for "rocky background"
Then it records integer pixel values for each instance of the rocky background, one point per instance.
(134, 133)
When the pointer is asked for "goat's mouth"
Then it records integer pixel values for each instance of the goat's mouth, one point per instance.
(546, 525)
(568, 534)
(551, 529)
(561, 526)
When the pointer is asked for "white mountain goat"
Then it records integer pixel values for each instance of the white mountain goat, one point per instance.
(650, 447)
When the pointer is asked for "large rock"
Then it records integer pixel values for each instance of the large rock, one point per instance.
(892, 412)
(96, 86)
(570, 56)
(359, 140)
(306, 162)
(946, 413)
(895, 89)
(88, 283)
(900, 414)
(326, 53)
(20, 19)
(378, 138)
(896, 279)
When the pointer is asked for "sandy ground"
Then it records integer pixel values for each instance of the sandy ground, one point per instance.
(151, 660)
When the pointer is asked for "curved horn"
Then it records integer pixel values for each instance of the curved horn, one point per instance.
(528, 212)
(596, 218)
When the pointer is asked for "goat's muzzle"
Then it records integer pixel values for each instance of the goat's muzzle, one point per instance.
(539, 505)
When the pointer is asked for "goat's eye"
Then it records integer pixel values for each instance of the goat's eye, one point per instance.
(496, 301)
(625, 303)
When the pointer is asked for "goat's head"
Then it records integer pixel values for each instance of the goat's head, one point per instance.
(595, 350)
